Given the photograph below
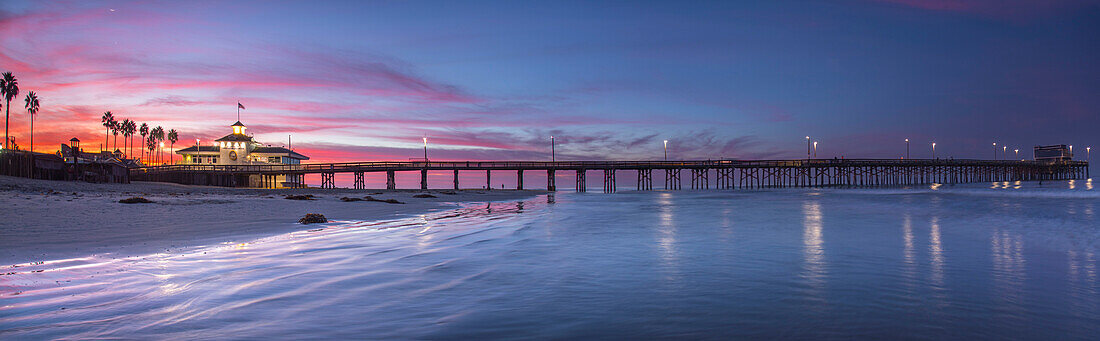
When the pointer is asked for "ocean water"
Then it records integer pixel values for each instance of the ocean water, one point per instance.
(987, 261)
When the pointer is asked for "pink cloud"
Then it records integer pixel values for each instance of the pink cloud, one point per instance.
(85, 61)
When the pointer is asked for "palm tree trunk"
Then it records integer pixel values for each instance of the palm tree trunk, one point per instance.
(172, 156)
(7, 111)
(32, 133)
(6, 116)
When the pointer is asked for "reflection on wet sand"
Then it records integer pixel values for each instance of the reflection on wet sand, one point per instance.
(813, 249)
(935, 250)
(666, 229)
(909, 269)
(1009, 270)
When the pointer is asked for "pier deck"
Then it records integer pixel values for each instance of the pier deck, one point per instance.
(727, 174)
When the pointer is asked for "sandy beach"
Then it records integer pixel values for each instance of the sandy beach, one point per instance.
(47, 220)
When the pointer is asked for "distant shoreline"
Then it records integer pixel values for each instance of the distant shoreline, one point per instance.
(49, 220)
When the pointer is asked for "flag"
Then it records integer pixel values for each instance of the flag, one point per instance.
(239, 105)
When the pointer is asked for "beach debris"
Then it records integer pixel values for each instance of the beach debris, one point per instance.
(350, 199)
(448, 192)
(424, 195)
(135, 200)
(300, 197)
(388, 201)
(313, 218)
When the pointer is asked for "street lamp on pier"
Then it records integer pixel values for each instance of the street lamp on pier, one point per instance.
(1018, 154)
(552, 157)
(907, 149)
(933, 150)
(807, 147)
(994, 150)
(815, 149)
(666, 150)
(425, 149)
(1004, 152)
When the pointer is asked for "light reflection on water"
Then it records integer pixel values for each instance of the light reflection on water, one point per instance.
(813, 245)
(966, 262)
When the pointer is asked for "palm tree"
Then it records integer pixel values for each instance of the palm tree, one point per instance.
(122, 131)
(126, 133)
(32, 109)
(9, 88)
(150, 143)
(144, 131)
(115, 127)
(173, 136)
(108, 120)
(158, 136)
(131, 129)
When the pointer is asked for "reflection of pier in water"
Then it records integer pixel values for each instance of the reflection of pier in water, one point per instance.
(727, 174)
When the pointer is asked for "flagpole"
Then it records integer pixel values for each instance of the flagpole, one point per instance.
(238, 111)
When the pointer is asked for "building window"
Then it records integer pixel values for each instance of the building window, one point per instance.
(214, 159)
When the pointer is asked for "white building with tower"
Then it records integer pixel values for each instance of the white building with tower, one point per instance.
(239, 148)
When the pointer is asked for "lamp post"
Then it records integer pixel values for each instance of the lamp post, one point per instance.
(1088, 154)
(906, 149)
(994, 150)
(1004, 152)
(815, 149)
(933, 150)
(425, 149)
(1017, 153)
(552, 157)
(666, 150)
(1071, 152)
(807, 147)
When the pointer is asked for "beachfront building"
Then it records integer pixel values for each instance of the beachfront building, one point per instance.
(239, 148)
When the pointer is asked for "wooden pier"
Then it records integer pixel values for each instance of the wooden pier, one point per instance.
(727, 174)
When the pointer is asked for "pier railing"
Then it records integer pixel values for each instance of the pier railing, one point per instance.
(380, 166)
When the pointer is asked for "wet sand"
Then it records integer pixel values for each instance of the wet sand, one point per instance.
(46, 220)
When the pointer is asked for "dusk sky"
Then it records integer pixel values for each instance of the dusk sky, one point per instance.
(366, 80)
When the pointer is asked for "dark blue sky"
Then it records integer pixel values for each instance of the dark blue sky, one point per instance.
(493, 80)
